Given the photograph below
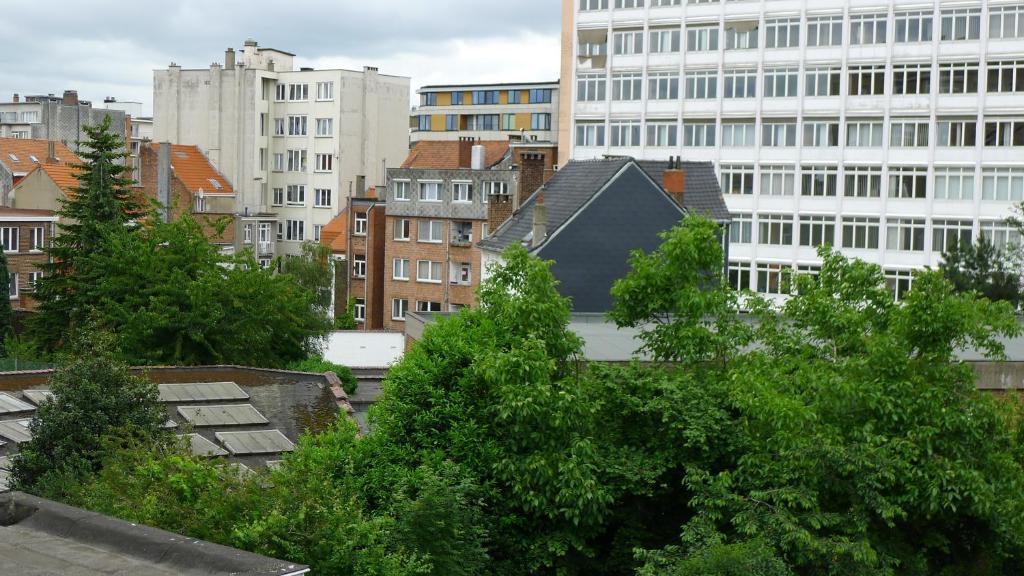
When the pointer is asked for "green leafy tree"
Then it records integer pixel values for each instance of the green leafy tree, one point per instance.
(312, 269)
(319, 366)
(982, 268)
(346, 320)
(6, 313)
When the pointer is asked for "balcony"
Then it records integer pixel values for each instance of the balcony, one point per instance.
(463, 240)
(264, 248)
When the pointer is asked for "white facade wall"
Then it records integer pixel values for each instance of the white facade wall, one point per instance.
(978, 209)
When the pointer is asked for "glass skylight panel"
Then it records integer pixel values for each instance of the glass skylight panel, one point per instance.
(202, 392)
(200, 446)
(37, 397)
(256, 442)
(16, 430)
(230, 415)
(11, 405)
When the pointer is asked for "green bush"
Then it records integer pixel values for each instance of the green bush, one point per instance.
(319, 365)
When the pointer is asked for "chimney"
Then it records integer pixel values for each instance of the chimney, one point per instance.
(674, 179)
(499, 210)
(17, 98)
(540, 221)
(466, 151)
(477, 157)
(229, 59)
(71, 98)
(51, 152)
(360, 186)
(163, 179)
(532, 174)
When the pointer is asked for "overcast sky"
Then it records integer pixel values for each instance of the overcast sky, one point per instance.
(111, 47)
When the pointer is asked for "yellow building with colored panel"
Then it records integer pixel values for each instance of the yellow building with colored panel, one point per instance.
(487, 111)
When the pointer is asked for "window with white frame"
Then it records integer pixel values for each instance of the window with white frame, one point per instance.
(999, 233)
(662, 134)
(462, 232)
(359, 310)
(9, 238)
(956, 133)
(296, 160)
(359, 224)
(702, 38)
(281, 92)
(401, 189)
(906, 133)
(1002, 184)
(589, 134)
(867, 80)
(862, 182)
(33, 278)
(664, 41)
(590, 88)
(428, 271)
(954, 182)
(899, 282)
(587, 5)
(1006, 76)
(958, 77)
(737, 179)
(860, 232)
(12, 286)
(427, 306)
(403, 229)
(323, 163)
(775, 229)
(773, 278)
(625, 43)
(278, 162)
(908, 182)
(430, 231)
(911, 79)
(821, 133)
(199, 203)
(462, 191)
(868, 28)
(665, 3)
(495, 188)
(295, 230)
(592, 47)
(359, 266)
(400, 269)
(460, 273)
(914, 26)
(627, 86)
(279, 126)
(822, 81)
(777, 180)
(961, 24)
(629, 3)
(325, 91)
(741, 228)
(1006, 21)
(663, 86)
(1003, 133)
(740, 83)
(296, 195)
(864, 134)
(699, 133)
(318, 230)
(324, 127)
(780, 82)
(819, 180)
(278, 199)
(905, 234)
(825, 31)
(702, 84)
(741, 35)
(948, 233)
(739, 275)
(739, 134)
(247, 234)
(778, 133)
(297, 125)
(625, 133)
(298, 92)
(322, 197)
(36, 238)
(399, 306)
(817, 230)
(782, 33)
(430, 191)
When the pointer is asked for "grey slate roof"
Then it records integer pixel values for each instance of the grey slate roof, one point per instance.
(579, 180)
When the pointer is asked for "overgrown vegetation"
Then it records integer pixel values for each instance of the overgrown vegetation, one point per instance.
(319, 366)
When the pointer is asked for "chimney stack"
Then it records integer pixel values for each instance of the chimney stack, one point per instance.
(163, 179)
(499, 209)
(17, 98)
(229, 59)
(466, 151)
(540, 221)
(532, 172)
(51, 152)
(71, 98)
(478, 156)
(674, 179)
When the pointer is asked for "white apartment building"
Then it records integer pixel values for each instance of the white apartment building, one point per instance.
(885, 128)
(295, 143)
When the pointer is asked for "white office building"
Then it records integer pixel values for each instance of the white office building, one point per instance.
(293, 142)
(887, 129)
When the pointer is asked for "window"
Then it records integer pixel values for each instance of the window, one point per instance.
(278, 199)
(1002, 184)
(741, 35)
(665, 2)
(325, 127)
(430, 191)
(825, 31)
(297, 125)
(626, 86)
(427, 271)
(961, 24)
(998, 233)
(738, 134)
(590, 88)
(778, 133)
(359, 310)
(462, 232)
(281, 92)
(514, 97)
(1006, 76)
(428, 99)
(701, 38)
(403, 229)
(33, 277)
(359, 266)
(295, 230)
(589, 134)
(868, 28)
(298, 92)
(263, 161)
(1004, 133)
(508, 121)
(296, 195)
(954, 183)
(947, 234)
(460, 273)
(958, 78)
(740, 83)
(699, 134)
(662, 134)
(9, 238)
(915, 26)
(819, 180)
(775, 229)
(907, 133)
(323, 163)
(817, 230)
(462, 192)
(12, 286)
(495, 189)
(955, 133)
(451, 122)
(860, 232)
(864, 134)
(593, 5)
(821, 133)
(325, 90)
(780, 82)
(863, 182)
(1006, 21)
(279, 127)
(737, 179)
(593, 47)
(475, 122)
(626, 43)
(912, 79)
(741, 229)
(663, 86)
(322, 198)
(629, 3)
(782, 33)
(317, 231)
(36, 239)
(296, 160)
(905, 234)
(540, 121)
(739, 275)
(867, 80)
(429, 231)
(199, 204)
(664, 41)
(625, 133)
(278, 162)
(425, 306)
(401, 188)
(822, 81)
(359, 224)
(423, 123)
(908, 182)
(703, 84)
(280, 231)
(263, 124)
(247, 234)
(400, 306)
(777, 180)
(900, 282)
(773, 278)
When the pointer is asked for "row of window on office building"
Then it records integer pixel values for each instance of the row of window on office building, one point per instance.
(479, 122)
(487, 97)
(780, 279)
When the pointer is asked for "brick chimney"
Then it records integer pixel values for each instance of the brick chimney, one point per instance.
(70, 98)
(466, 151)
(499, 210)
(674, 179)
(540, 221)
(531, 173)
(51, 152)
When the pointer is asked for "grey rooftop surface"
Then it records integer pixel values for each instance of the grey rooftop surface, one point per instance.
(43, 538)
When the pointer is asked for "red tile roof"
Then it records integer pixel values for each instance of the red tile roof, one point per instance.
(18, 153)
(334, 233)
(63, 175)
(195, 171)
(444, 154)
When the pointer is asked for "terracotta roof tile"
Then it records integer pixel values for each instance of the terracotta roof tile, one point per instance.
(333, 234)
(63, 175)
(18, 153)
(195, 171)
(444, 154)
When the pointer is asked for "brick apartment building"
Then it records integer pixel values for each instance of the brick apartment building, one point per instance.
(24, 234)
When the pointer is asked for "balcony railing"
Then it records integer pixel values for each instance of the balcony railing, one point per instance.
(265, 247)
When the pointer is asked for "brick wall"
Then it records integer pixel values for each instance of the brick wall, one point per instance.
(25, 261)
